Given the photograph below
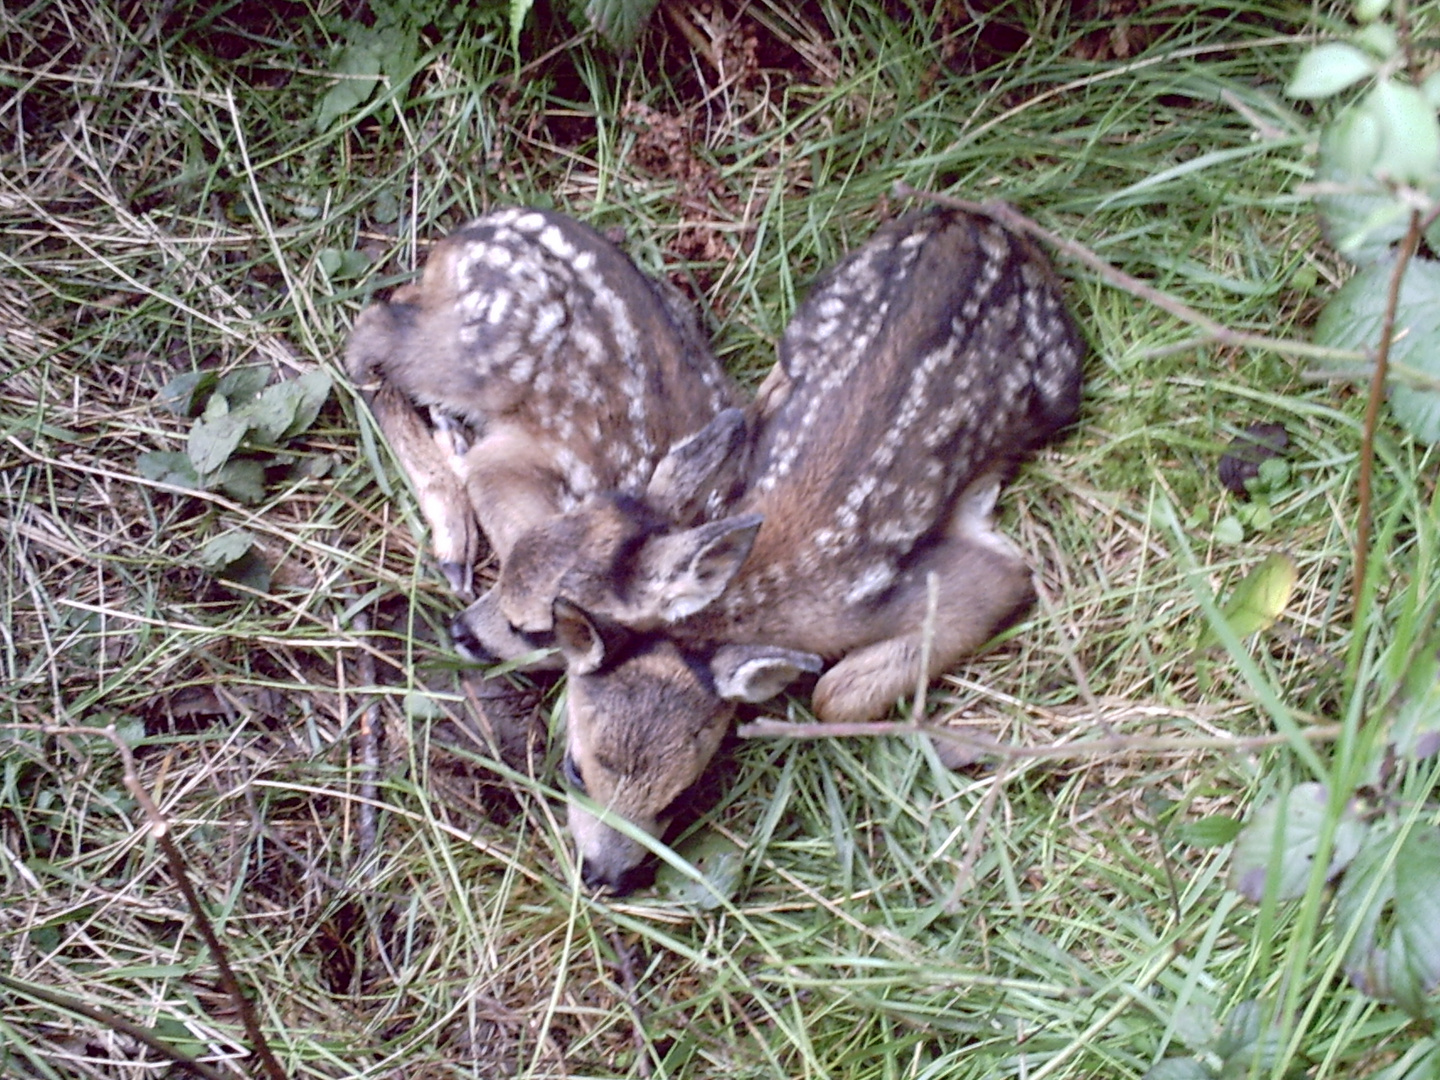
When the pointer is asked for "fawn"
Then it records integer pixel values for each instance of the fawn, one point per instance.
(576, 373)
(911, 381)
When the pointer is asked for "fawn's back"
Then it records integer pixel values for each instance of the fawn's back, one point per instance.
(910, 382)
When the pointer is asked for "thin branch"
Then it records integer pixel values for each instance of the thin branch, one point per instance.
(1372, 412)
(1090, 748)
(1215, 333)
(160, 829)
(114, 1022)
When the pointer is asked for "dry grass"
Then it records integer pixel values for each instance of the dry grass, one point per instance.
(167, 205)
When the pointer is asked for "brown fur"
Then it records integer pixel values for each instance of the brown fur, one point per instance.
(913, 378)
(576, 373)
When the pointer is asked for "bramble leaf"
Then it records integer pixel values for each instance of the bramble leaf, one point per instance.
(1285, 833)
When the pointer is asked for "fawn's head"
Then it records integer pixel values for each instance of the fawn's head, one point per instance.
(644, 718)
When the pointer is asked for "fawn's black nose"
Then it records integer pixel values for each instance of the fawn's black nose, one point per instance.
(467, 644)
(619, 883)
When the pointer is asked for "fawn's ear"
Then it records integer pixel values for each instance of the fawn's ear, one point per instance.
(580, 638)
(755, 673)
(701, 475)
(683, 572)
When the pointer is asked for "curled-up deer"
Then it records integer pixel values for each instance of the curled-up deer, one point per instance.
(911, 381)
(573, 372)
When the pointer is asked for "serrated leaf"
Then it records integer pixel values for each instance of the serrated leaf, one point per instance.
(1178, 1069)
(1328, 69)
(182, 395)
(1415, 734)
(214, 439)
(243, 480)
(519, 11)
(272, 413)
(315, 387)
(1395, 914)
(619, 21)
(1216, 830)
(221, 551)
(168, 467)
(1246, 1048)
(1285, 833)
(358, 66)
(1353, 317)
(242, 385)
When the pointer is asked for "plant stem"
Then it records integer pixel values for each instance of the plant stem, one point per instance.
(1372, 416)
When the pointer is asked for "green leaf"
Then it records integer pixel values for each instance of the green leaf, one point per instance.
(242, 479)
(272, 413)
(1285, 833)
(1245, 1048)
(223, 550)
(422, 706)
(1228, 530)
(1259, 599)
(1353, 317)
(1175, 1068)
(1378, 39)
(182, 394)
(214, 438)
(358, 66)
(1431, 89)
(1370, 10)
(1326, 70)
(1410, 144)
(1416, 731)
(1217, 830)
(242, 385)
(718, 859)
(1395, 913)
(314, 390)
(168, 467)
(343, 265)
(250, 571)
(519, 10)
(619, 21)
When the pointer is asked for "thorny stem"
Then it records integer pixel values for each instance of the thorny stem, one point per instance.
(160, 829)
(1372, 412)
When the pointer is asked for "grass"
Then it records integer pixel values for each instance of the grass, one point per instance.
(168, 205)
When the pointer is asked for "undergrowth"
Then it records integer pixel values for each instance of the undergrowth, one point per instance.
(182, 192)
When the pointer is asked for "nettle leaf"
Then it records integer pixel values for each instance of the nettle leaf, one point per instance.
(343, 265)
(1416, 732)
(182, 395)
(1328, 69)
(1217, 830)
(242, 385)
(1285, 833)
(1245, 1047)
(243, 480)
(1353, 317)
(168, 467)
(314, 390)
(619, 21)
(1259, 599)
(358, 66)
(1395, 912)
(214, 438)
(1178, 1069)
(227, 548)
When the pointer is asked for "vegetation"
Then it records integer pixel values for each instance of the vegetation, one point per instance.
(1197, 838)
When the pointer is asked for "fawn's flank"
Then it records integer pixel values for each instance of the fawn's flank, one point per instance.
(574, 372)
(910, 382)
(579, 379)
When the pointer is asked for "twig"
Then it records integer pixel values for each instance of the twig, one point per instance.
(369, 741)
(160, 829)
(1215, 333)
(1119, 744)
(1372, 413)
(626, 963)
(115, 1022)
